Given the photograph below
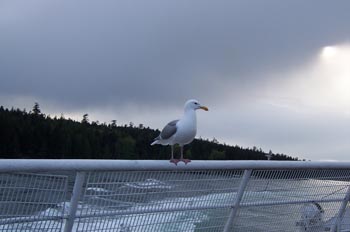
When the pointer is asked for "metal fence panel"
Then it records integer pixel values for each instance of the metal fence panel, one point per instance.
(158, 201)
(32, 202)
(199, 199)
(292, 200)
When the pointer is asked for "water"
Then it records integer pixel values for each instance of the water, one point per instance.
(132, 196)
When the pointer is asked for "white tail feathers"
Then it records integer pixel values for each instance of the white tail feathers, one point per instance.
(155, 142)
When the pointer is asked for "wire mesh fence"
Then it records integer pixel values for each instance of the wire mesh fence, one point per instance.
(158, 201)
(293, 200)
(140, 200)
(31, 202)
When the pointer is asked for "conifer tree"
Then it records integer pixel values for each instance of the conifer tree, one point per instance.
(36, 109)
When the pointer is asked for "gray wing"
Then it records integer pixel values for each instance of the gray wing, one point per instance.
(169, 130)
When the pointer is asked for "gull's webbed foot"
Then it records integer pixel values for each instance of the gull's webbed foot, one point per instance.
(185, 160)
(175, 161)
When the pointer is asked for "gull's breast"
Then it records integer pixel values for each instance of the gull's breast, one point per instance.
(185, 133)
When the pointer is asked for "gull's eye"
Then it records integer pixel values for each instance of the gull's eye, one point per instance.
(196, 103)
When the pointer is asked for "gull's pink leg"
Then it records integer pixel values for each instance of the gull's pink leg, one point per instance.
(182, 156)
(172, 160)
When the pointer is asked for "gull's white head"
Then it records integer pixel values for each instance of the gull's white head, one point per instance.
(194, 105)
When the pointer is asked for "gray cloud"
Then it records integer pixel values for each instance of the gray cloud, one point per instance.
(88, 53)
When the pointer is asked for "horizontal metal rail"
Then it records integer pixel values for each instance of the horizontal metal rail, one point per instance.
(30, 219)
(33, 165)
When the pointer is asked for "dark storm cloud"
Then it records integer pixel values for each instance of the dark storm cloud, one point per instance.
(90, 52)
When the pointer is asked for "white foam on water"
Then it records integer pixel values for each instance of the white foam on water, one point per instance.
(100, 190)
(144, 222)
(149, 184)
(175, 220)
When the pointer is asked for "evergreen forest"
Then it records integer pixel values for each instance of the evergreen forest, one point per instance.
(35, 135)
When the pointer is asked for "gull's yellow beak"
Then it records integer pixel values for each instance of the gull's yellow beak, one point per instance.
(204, 108)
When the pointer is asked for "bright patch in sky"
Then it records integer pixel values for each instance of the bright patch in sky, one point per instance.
(311, 106)
(336, 68)
(322, 85)
(329, 52)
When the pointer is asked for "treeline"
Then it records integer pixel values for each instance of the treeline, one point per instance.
(37, 136)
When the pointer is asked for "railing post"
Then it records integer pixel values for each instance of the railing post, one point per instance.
(240, 192)
(74, 201)
(337, 224)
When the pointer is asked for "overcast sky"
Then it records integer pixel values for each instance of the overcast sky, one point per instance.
(274, 74)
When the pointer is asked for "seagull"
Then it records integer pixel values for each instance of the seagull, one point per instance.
(181, 131)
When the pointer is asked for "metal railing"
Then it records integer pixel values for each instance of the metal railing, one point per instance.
(150, 195)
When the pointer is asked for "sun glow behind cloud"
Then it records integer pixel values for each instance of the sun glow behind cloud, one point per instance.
(329, 52)
(322, 85)
(336, 66)
(303, 111)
